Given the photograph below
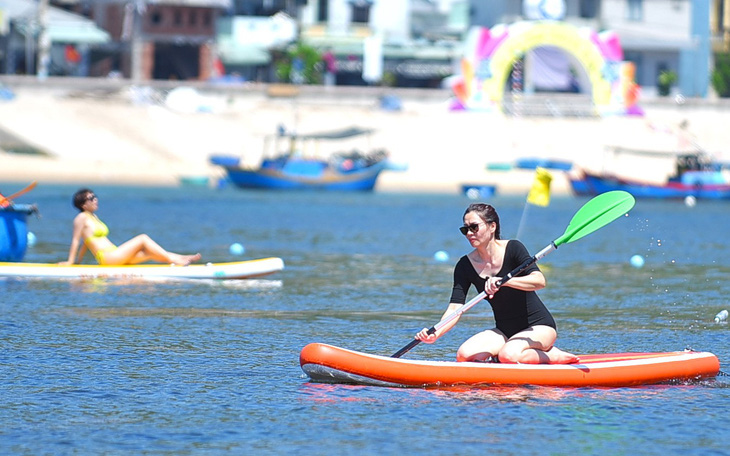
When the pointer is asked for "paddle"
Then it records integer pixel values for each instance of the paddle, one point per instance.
(4, 200)
(595, 214)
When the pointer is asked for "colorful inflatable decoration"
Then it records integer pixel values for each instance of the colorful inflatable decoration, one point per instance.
(492, 55)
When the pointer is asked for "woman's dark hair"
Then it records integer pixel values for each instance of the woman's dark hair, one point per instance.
(486, 213)
(80, 198)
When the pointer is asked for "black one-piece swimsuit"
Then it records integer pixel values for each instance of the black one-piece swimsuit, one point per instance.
(514, 310)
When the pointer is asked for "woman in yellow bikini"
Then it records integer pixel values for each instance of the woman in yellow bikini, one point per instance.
(91, 233)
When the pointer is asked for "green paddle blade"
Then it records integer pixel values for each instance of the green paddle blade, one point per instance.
(596, 213)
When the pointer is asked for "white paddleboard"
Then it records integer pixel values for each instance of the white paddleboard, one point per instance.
(234, 270)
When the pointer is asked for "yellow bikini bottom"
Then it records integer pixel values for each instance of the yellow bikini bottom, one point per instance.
(99, 255)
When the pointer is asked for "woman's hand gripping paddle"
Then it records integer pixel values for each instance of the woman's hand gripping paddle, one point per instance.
(595, 214)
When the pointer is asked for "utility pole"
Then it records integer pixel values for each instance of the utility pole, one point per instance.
(137, 45)
(44, 40)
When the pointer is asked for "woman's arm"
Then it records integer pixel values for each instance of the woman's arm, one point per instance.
(531, 282)
(79, 223)
(423, 335)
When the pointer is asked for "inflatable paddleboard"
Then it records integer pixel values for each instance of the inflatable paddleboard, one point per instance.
(234, 270)
(326, 363)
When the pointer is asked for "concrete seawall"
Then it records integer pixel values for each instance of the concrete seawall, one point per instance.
(109, 131)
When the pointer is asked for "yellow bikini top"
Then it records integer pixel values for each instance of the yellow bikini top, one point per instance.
(100, 229)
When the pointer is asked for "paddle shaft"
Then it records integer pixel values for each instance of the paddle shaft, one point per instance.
(476, 299)
(4, 199)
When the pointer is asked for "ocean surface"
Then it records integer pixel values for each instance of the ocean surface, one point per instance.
(184, 367)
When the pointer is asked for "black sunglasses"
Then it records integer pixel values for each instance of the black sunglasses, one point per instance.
(473, 227)
(91, 197)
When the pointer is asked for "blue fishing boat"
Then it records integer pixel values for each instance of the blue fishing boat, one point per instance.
(302, 162)
(14, 231)
(695, 176)
(593, 184)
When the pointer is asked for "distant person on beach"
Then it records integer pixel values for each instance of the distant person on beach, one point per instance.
(330, 67)
(89, 232)
(525, 330)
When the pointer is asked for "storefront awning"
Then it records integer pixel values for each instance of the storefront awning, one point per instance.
(243, 55)
(63, 27)
(78, 35)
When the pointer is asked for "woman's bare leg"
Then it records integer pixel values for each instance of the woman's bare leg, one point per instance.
(481, 346)
(535, 346)
(142, 248)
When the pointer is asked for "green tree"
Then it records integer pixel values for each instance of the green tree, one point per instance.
(665, 82)
(720, 77)
(301, 64)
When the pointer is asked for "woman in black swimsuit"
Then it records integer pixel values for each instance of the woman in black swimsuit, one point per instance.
(525, 331)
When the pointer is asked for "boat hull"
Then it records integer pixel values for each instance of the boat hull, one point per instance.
(590, 184)
(218, 271)
(363, 180)
(326, 363)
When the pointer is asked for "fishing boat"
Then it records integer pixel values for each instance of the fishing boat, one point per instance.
(14, 230)
(700, 185)
(330, 364)
(318, 161)
(659, 175)
(218, 271)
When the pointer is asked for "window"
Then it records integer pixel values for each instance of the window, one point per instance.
(156, 18)
(636, 10)
(360, 10)
(588, 9)
(322, 10)
(361, 13)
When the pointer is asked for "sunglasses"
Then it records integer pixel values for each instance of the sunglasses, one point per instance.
(473, 227)
(91, 198)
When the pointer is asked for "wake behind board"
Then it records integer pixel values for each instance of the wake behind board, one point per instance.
(326, 363)
(234, 270)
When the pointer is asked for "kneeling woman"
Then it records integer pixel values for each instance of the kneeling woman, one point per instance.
(89, 232)
(526, 331)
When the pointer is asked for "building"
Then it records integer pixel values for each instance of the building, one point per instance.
(406, 43)
(160, 39)
(70, 39)
(137, 39)
(395, 42)
(720, 26)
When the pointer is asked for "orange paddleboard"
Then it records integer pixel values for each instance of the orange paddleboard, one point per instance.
(326, 363)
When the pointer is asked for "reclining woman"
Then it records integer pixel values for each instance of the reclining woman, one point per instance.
(89, 232)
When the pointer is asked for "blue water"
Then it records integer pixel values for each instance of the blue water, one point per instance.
(158, 368)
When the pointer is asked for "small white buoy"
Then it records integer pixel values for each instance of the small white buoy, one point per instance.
(690, 201)
(721, 317)
(441, 256)
(637, 261)
(236, 249)
(31, 239)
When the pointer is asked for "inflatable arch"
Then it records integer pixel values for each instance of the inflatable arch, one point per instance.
(491, 53)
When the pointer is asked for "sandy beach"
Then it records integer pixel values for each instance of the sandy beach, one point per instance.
(119, 134)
